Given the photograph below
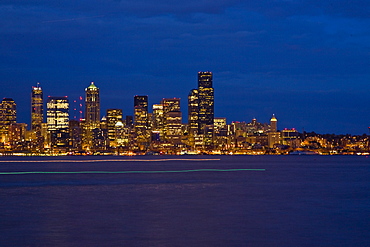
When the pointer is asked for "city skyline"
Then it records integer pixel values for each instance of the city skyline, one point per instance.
(305, 61)
(157, 132)
(129, 111)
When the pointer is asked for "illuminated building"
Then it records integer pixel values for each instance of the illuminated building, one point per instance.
(170, 104)
(141, 122)
(8, 112)
(104, 124)
(206, 100)
(219, 123)
(75, 135)
(172, 119)
(158, 120)
(273, 123)
(37, 117)
(113, 116)
(208, 136)
(99, 140)
(290, 137)
(8, 116)
(193, 111)
(45, 135)
(141, 111)
(120, 134)
(274, 137)
(57, 113)
(58, 121)
(92, 106)
(92, 116)
(37, 109)
(17, 135)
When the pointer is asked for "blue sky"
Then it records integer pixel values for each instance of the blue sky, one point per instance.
(305, 61)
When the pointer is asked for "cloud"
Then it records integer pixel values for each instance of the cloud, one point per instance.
(261, 47)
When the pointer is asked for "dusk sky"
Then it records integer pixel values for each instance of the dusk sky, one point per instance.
(307, 62)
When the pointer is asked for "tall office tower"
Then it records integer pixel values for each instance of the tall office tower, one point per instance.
(193, 111)
(37, 109)
(141, 111)
(57, 118)
(113, 116)
(274, 137)
(273, 123)
(75, 135)
(57, 113)
(158, 117)
(219, 123)
(8, 116)
(172, 119)
(158, 122)
(92, 107)
(171, 104)
(8, 112)
(206, 100)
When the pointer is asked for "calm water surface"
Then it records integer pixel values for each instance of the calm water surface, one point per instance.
(296, 201)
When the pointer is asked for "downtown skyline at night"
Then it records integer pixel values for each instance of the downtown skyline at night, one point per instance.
(60, 126)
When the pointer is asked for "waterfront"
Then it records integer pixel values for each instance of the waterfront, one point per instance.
(292, 201)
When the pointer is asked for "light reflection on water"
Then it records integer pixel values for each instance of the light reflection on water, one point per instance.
(297, 201)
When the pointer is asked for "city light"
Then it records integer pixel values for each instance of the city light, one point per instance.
(159, 132)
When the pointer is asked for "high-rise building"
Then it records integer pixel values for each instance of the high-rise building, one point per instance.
(170, 104)
(193, 111)
(57, 117)
(37, 109)
(206, 100)
(158, 117)
(219, 123)
(8, 116)
(172, 119)
(8, 112)
(75, 135)
(57, 113)
(92, 107)
(141, 111)
(113, 116)
(273, 123)
(273, 136)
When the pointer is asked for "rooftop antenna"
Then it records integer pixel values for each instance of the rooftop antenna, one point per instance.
(80, 107)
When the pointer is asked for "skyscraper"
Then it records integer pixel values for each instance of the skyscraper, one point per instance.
(193, 110)
(158, 117)
(206, 100)
(57, 117)
(273, 135)
(37, 108)
(113, 116)
(57, 113)
(273, 123)
(141, 111)
(8, 112)
(172, 119)
(92, 107)
(8, 116)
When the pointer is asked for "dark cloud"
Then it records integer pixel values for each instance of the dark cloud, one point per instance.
(258, 51)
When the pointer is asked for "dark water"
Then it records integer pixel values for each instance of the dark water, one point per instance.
(296, 201)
